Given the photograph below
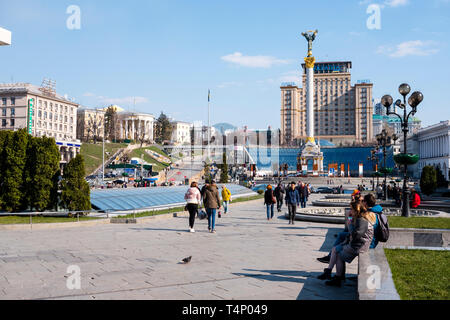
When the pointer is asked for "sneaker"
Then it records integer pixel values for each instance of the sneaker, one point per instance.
(214, 231)
(325, 259)
(192, 230)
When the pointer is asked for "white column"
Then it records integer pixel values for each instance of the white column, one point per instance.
(310, 102)
(132, 129)
(121, 129)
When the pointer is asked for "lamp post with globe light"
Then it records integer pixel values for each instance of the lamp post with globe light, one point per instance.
(384, 140)
(404, 158)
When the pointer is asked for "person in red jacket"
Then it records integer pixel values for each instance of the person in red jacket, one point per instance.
(415, 199)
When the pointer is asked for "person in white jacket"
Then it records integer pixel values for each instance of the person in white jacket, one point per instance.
(193, 199)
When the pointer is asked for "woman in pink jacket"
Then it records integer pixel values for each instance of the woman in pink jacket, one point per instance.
(193, 198)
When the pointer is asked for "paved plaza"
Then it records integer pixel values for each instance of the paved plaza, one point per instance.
(249, 258)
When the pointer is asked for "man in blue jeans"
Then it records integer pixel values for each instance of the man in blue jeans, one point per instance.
(212, 203)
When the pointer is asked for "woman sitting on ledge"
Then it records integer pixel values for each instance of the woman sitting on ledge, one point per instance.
(358, 242)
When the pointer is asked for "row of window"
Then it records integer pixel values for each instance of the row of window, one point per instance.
(50, 105)
(5, 101)
(12, 112)
(12, 122)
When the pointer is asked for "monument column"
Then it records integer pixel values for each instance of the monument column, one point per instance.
(310, 61)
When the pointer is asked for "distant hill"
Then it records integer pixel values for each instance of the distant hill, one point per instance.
(224, 126)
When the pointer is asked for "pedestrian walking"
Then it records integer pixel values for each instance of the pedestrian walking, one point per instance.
(269, 201)
(193, 199)
(279, 193)
(211, 200)
(292, 201)
(304, 194)
(226, 198)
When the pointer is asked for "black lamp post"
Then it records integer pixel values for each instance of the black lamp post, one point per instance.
(373, 157)
(404, 159)
(385, 140)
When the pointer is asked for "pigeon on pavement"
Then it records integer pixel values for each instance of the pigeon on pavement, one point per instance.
(187, 260)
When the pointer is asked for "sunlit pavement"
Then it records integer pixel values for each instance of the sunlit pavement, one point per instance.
(248, 258)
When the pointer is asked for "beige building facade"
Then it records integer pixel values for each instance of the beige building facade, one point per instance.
(90, 124)
(43, 113)
(342, 112)
(181, 133)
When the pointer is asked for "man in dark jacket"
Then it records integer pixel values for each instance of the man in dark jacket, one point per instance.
(211, 199)
(303, 193)
(279, 192)
(292, 201)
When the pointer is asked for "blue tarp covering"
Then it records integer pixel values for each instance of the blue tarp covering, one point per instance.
(265, 159)
(139, 198)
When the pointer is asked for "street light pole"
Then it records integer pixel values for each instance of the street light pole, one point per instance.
(414, 100)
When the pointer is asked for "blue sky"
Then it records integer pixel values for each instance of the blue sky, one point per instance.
(167, 54)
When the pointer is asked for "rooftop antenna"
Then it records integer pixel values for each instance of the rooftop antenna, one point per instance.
(48, 87)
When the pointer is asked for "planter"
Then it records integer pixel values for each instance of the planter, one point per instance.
(386, 170)
(406, 159)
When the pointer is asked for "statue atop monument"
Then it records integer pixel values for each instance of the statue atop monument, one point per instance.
(310, 37)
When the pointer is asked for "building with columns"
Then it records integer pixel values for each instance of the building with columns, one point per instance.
(135, 126)
(43, 113)
(432, 144)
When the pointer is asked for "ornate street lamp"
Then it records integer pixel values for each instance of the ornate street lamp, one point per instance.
(404, 158)
(374, 158)
(384, 141)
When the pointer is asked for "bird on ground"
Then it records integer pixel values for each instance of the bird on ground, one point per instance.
(186, 260)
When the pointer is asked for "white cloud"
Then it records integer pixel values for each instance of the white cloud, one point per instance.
(410, 48)
(88, 94)
(123, 101)
(253, 61)
(396, 3)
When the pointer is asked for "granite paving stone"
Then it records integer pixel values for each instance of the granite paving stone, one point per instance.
(248, 258)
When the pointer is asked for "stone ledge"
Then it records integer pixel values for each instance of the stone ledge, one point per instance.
(419, 237)
(386, 291)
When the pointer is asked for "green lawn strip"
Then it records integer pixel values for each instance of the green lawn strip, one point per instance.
(420, 274)
(180, 209)
(93, 154)
(35, 220)
(157, 166)
(419, 222)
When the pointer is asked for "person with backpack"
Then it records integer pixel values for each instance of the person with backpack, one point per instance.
(269, 202)
(358, 242)
(370, 202)
(279, 192)
(193, 199)
(211, 199)
(226, 197)
(292, 201)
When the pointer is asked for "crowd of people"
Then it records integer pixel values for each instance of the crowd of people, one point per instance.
(209, 197)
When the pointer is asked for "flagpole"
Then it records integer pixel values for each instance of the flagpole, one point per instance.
(209, 126)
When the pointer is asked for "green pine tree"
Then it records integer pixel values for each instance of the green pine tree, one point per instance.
(441, 182)
(75, 190)
(13, 164)
(3, 137)
(41, 174)
(163, 129)
(428, 181)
